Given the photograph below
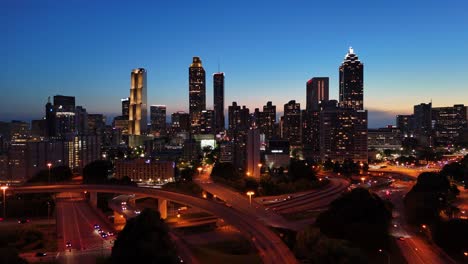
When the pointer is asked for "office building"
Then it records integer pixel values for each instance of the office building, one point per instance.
(317, 92)
(405, 123)
(277, 154)
(351, 94)
(448, 124)
(158, 120)
(292, 123)
(180, 121)
(145, 170)
(197, 93)
(64, 108)
(207, 122)
(125, 107)
(384, 138)
(422, 118)
(218, 101)
(137, 124)
(253, 153)
(343, 133)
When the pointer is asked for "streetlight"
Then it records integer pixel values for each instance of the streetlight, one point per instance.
(199, 170)
(363, 179)
(4, 200)
(49, 165)
(250, 193)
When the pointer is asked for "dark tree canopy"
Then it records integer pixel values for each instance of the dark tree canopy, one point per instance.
(358, 216)
(57, 174)
(225, 170)
(97, 172)
(145, 239)
(298, 169)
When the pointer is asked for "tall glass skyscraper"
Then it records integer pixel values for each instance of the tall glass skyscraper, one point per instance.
(218, 98)
(197, 93)
(138, 120)
(352, 82)
(317, 92)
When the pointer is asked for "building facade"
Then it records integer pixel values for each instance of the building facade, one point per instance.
(218, 101)
(197, 93)
(351, 94)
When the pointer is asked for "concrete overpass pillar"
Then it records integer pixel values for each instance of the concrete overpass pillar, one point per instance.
(93, 199)
(162, 207)
(119, 221)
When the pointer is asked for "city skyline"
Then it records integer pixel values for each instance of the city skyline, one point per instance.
(94, 68)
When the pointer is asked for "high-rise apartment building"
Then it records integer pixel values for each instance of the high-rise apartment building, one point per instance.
(197, 93)
(137, 124)
(158, 120)
(351, 82)
(180, 121)
(317, 92)
(207, 122)
(218, 101)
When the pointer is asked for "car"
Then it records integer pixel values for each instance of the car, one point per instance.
(96, 226)
(41, 254)
(137, 211)
(110, 233)
(68, 244)
(100, 231)
(104, 235)
(229, 205)
(401, 238)
(23, 221)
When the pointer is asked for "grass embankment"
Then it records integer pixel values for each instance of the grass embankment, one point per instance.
(27, 237)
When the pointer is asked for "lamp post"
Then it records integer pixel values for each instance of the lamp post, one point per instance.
(199, 170)
(250, 193)
(49, 165)
(4, 188)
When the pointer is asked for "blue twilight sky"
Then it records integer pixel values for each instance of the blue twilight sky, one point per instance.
(413, 51)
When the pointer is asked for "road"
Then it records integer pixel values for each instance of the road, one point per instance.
(268, 244)
(75, 224)
(412, 243)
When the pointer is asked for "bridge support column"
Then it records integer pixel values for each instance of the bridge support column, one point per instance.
(119, 221)
(162, 207)
(93, 199)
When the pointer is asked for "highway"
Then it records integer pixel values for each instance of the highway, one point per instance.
(412, 243)
(269, 245)
(75, 224)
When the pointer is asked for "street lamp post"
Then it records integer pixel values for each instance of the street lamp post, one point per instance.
(199, 170)
(4, 188)
(250, 193)
(49, 165)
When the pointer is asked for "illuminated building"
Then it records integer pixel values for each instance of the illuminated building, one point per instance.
(158, 120)
(292, 123)
(343, 133)
(137, 124)
(317, 92)
(351, 83)
(125, 107)
(207, 122)
(267, 120)
(197, 93)
(384, 138)
(253, 153)
(226, 151)
(405, 124)
(180, 121)
(277, 154)
(422, 117)
(311, 133)
(64, 108)
(145, 170)
(81, 120)
(449, 123)
(218, 101)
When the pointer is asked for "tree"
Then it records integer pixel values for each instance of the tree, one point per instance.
(299, 169)
(225, 170)
(145, 239)
(57, 174)
(187, 174)
(431, 194)
(358, 216)
(97, 172)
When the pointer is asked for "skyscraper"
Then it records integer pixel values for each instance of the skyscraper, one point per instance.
(218, 98)
(317, 92)
(137, 124)
(292, 123)
(343, 133)
(351, 82)
(50, 119)
(197, 93)
(125, 107)
(180, 121)
(158, 120)
(449, 123)
(268, 120)
(64, 107)
(207, 122)
(253, 153)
